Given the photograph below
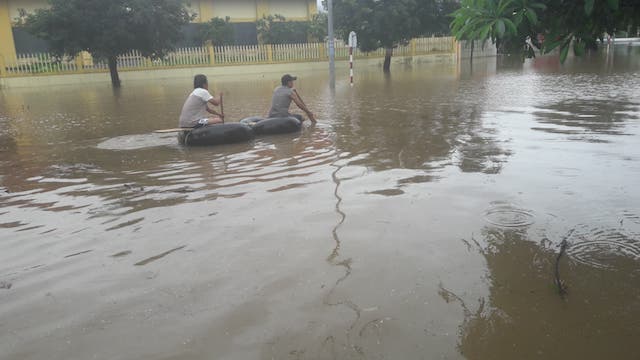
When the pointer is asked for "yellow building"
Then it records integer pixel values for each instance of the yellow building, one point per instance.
(239, 11)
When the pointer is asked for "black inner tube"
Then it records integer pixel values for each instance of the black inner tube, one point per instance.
(218, 134)
(272, 126)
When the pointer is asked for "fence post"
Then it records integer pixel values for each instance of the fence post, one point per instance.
(323, 51)
(212, 54)
(79, 62)
(270, 53)
(413, 47)
(3, 67)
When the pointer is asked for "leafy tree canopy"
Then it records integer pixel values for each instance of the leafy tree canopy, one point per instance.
(318, 27)
(110, 28)
(378, 23)
(275, 29)
(218, 31)
(388, 23)
(514, 25)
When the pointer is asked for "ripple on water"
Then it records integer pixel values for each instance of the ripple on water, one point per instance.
(508, 215)
(606, 248)
(136, 142)
(631, 216)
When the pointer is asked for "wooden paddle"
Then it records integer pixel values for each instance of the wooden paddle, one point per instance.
(165, 131)
(222, 108)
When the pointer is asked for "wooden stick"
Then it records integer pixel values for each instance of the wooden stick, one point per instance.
(164, 131)
(562, 288)
(222, 107)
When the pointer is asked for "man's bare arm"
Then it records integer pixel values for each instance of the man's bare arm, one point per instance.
(302, 107)
(214, 112)
(215, 101)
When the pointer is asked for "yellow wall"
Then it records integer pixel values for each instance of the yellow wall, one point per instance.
(7, 47)
(312, 8)
(238, 10)
(294, 10)
(251, 10)
(262, 8)
(206, 11)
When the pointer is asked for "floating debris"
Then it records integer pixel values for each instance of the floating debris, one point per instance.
(562, 287)
(78, 253)
(121, 254)
(159, 256)
(134, 187)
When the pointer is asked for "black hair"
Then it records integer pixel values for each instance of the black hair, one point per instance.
(286, 78)
(199, 81)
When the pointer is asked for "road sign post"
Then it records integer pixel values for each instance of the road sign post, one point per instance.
(332, 48)
(353, 43)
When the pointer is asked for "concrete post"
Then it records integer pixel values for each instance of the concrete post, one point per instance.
(79, 62)
(332, 49)
(212, 54)
(270, 53)
(3, 67)
(7, 46)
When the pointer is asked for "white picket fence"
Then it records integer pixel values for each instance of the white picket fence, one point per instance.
(43, 63)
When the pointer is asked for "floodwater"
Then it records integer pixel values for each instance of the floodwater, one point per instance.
(422, 218)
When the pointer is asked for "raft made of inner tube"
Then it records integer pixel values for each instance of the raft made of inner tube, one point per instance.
(217, 134)
(270, 126)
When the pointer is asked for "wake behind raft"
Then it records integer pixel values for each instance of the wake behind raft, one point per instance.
(242, 131)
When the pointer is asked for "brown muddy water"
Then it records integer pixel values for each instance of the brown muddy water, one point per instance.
(420, 219)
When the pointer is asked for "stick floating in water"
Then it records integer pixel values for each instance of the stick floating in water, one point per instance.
(164, 131)
(562, 288)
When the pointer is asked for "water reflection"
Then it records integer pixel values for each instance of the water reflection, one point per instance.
(112, 192)
(524, 317)
(587, 116)
(342, 241)
(429, 131)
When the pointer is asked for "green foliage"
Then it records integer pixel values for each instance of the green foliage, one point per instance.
(505, 22)
(582, 23)
(317, 29)
(218, 31)
(378, 23)
(389, 23)
(565, 23)
(275, 29)
(21, 19)
(107, 29)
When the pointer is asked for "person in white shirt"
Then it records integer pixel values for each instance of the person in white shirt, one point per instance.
(196, 111)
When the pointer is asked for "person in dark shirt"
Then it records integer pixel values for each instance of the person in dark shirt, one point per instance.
(283, 96)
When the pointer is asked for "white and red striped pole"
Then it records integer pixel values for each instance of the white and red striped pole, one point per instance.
(351, 65)
(353, 42)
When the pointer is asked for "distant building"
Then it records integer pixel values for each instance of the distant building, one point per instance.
(242, 13)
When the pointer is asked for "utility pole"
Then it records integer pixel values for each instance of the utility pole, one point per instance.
(332, 47)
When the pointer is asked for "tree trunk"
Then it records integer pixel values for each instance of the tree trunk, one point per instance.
(473, 43)
(113, 70)
(387, 59)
